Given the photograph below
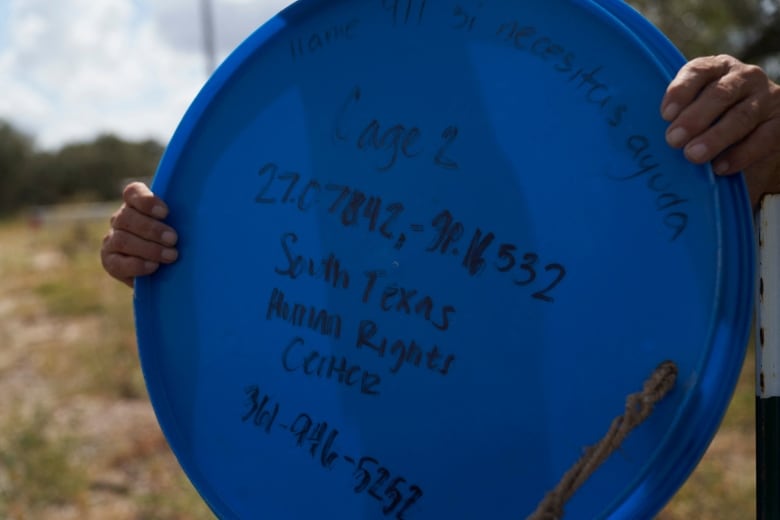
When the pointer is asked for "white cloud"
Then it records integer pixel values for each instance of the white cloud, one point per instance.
(74, 68)
(181, 25)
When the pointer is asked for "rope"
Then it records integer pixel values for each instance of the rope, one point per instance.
(639, 406)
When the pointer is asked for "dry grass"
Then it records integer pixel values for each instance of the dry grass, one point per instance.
(78, 439)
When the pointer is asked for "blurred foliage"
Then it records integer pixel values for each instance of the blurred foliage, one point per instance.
(78, 437)
(747, 29)
(39, 469)
(16, 153)
(91, 171)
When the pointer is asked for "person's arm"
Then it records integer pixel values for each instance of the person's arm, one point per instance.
(726, 112)
(138, 241)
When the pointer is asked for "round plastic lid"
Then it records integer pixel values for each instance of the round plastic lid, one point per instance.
(426, 251)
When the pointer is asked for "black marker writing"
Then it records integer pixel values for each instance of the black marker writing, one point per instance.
(329, 269)
(667, 200)
(402, 352)
(406, 300)
(320, 440)
(527, 38)
(349, 205)
(465, 19)
(405, 12)
(301, 315)
(394, 141)
(317, 41)
(296, 357)
(352, 207)
(524, 270)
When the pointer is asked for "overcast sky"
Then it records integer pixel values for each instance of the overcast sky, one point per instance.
(71, 69)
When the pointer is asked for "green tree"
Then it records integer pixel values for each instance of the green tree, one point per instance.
(747, 29)
(16, 149)
(82, 171)
(96, 170)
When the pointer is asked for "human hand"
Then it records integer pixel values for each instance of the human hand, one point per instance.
(138, 242)
(726, 112)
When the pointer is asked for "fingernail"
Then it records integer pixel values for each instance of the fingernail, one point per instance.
(170, 254)
(671, 111)
(151, 266)
(169, 237)
(676, 137)
(159, 212)
(697, 152)
(721, 167)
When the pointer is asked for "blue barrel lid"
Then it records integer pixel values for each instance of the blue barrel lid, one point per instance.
(426, 251)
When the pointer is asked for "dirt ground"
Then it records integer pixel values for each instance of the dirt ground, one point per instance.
(79, 439)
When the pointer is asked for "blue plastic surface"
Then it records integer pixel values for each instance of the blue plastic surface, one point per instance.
(426, 251)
